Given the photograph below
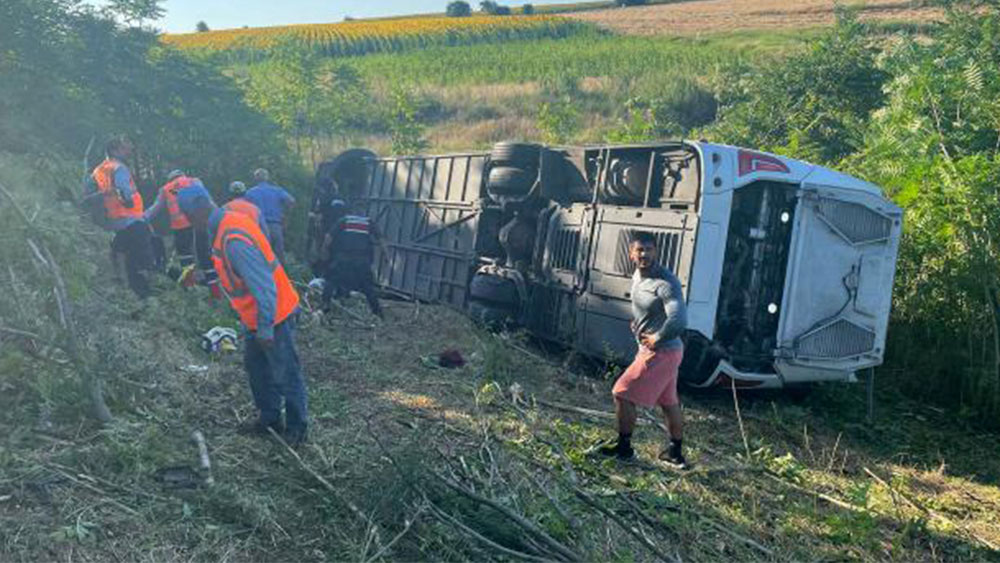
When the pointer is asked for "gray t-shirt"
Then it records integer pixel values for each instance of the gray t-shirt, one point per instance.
(658, 307)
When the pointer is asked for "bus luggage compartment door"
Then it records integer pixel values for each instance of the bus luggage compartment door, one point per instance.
(607, 305)
(839, 288)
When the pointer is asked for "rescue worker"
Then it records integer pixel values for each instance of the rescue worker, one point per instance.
(166, 200)
(267, 304)
(349, 249)
(659, 319)
(123, 210)
(239, 203)
(273, 201)
(191, 247)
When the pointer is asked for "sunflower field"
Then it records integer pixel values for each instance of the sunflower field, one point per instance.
(352, 38)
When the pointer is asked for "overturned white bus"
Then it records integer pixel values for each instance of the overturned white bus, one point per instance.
(787, 267)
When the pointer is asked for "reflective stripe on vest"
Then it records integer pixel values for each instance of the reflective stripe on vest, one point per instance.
(104, 176)
(241, 205)
(178, 220)
(355, 224)
(237, 226)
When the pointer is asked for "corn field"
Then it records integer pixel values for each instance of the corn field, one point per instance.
(379, 36)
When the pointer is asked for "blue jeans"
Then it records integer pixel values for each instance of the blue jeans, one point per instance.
(276, 236)
(275, 375)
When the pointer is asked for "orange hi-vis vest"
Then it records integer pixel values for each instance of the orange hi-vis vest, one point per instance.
(178, 220)
(104, 176)
(241, 205)
(237, 226)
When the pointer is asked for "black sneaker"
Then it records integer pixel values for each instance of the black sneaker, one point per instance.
(673, 458)
(617, 451)
(258, 428)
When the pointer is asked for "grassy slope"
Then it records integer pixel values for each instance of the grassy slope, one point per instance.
(384, 418)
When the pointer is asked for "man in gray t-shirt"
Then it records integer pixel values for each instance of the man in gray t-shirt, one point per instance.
(659, 318)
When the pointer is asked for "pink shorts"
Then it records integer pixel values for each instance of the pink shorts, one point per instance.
(651, 379)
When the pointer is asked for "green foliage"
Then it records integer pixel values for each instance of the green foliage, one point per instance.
(79, 75)
(558, 121)
(921, 119)
(934, 148)
(637, 125)
(308, 99)
(458, 9)
(558, 117)
(404, 125)
(813, 105)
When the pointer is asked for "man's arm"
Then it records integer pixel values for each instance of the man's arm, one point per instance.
(157, 206)
(675, 309)
(250, 265)
(123, 184)
(286, 198)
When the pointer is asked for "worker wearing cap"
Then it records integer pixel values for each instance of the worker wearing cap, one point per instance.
(188, 243)
(238, 202)
(273, 201)
(267, 304)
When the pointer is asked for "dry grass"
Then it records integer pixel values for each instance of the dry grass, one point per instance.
(386, 420)
(708, 16)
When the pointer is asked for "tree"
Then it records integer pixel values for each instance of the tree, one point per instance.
(625, 3)
(201, 27)
(404, 124)
(488, 7)
(458, 9)
(135, 11)
(528, 9)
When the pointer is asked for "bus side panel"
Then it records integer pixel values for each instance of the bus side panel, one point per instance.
(606, 307)
(427, 209)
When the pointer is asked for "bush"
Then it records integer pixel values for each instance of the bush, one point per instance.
(458, 9)
(814, 105)
(625, 3)
(528, 9)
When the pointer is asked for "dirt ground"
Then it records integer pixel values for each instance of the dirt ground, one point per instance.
(707, 16)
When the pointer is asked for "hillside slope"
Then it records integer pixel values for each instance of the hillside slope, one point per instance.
(710, 16)
(411, 461)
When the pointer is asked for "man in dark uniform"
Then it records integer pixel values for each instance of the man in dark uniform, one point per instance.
(349, 248)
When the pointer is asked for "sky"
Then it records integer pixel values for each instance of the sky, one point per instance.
(183, 15)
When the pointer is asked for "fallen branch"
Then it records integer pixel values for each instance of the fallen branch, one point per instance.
(204, 462)
(409, 524)
(832, 500)
(21, 333)
(921, 508)
(329, 487)
(449, 519)
(554, 544)
(739, 418)
(98, 491)
(66, 319)
(569, 518)
(631, 530)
